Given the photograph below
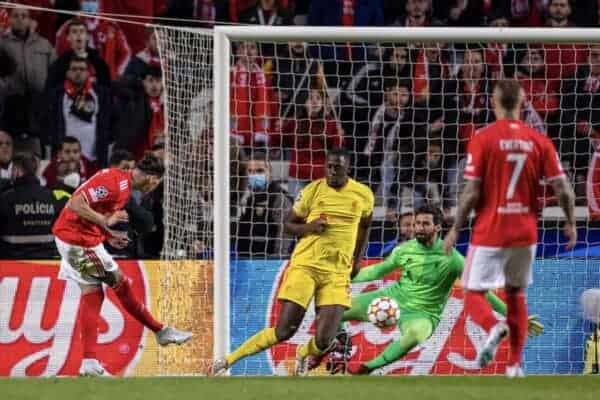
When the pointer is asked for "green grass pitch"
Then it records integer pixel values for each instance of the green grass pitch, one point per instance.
(344, 388)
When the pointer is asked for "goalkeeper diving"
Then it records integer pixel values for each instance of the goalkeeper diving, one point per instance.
(428, 275)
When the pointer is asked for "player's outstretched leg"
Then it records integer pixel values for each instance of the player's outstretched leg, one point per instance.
(165, 335)
(289, 320)
(311, 354)
(89, 313)
(480, 311)
(517, 322)
(413, 332)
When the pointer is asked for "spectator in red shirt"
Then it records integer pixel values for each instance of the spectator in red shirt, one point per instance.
(543, 93)
(249, 98)
(104, 36)
(69, 152)
(77, 37)
(308, 136)
(562, 59)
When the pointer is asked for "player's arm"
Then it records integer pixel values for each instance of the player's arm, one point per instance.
(467, 203)
(296, 225)
(566, 200)
(361, 243)
(378, 271)
(79, 205)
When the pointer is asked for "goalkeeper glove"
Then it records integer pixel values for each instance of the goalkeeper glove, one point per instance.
(534, 326)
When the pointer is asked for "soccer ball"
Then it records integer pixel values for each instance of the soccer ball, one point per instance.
(383, 312)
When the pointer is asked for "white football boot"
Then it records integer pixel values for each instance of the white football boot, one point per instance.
(91, 367)
(488, 351)
(169, 335)
(515, 371)
(301, 367)
(219, 367)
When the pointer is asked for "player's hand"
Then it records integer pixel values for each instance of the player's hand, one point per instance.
(450, 240)
(317, 226)
(115, 218)
(534, 326)
(571, 234)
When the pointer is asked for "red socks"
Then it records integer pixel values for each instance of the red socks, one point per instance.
(480, 311)
(135, 307)
(517, 322)
(89, 310)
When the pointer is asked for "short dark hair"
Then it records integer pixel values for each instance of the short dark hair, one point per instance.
(436, 212)
(70, 140)
(259, 156)
(76, 22)
(26, 161)
(510, 93)
(152, 70)
(392, 83)
(151, 165)
(119, 155)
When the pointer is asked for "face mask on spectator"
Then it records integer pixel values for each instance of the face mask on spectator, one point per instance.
(257, 182)
(72, 180)
(89, 6)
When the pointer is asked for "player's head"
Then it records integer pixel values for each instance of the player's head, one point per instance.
(147, 173)
(406, 226)
(507, 99)
(122, 159)
(428, 224)
(338, 167)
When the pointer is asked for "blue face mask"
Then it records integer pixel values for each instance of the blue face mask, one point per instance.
(89, 6)
(257, 182)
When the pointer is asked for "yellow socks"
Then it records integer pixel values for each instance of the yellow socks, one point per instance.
(257, 343)
(309, 349)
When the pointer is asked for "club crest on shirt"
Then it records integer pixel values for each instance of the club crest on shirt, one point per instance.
(101, 192)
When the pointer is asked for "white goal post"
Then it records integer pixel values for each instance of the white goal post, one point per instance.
(223, 38)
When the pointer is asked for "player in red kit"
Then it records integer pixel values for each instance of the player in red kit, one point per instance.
(91, 217)
(505, 163)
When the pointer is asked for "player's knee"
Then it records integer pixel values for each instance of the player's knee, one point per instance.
(285, 332)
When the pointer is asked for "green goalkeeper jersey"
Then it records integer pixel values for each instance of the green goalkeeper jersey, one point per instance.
(428, 275)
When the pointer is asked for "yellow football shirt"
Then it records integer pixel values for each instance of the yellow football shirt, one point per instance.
(343, 209)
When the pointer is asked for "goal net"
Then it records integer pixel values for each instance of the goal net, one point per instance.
(406, 110)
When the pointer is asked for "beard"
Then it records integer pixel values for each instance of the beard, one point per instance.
(424, 238)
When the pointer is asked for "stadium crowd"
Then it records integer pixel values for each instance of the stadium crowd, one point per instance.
(80, 94)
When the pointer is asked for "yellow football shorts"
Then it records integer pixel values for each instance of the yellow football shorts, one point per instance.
(300, 284)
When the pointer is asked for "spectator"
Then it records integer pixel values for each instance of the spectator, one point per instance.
(397, 133)
(77, 37)
(406, 225)
(6, 154)
(28, 211)
(471, 94)
(81, 109)
(517, 13)
(105, 36)
(580, 115)
(69, 152)
(562, 59)
(431, 179)
(263, 207)
(364, 95)
(148, 56)
(417, 13)
(249, 98)
(150, 243)
(543, 93)
(308, 136)
(140, 112)
(267, 12)
(294, 75)
(32, 56)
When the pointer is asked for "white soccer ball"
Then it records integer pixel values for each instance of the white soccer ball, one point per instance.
(383, 312)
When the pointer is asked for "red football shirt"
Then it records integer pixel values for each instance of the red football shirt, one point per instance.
(106, 192)
(510, 159)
